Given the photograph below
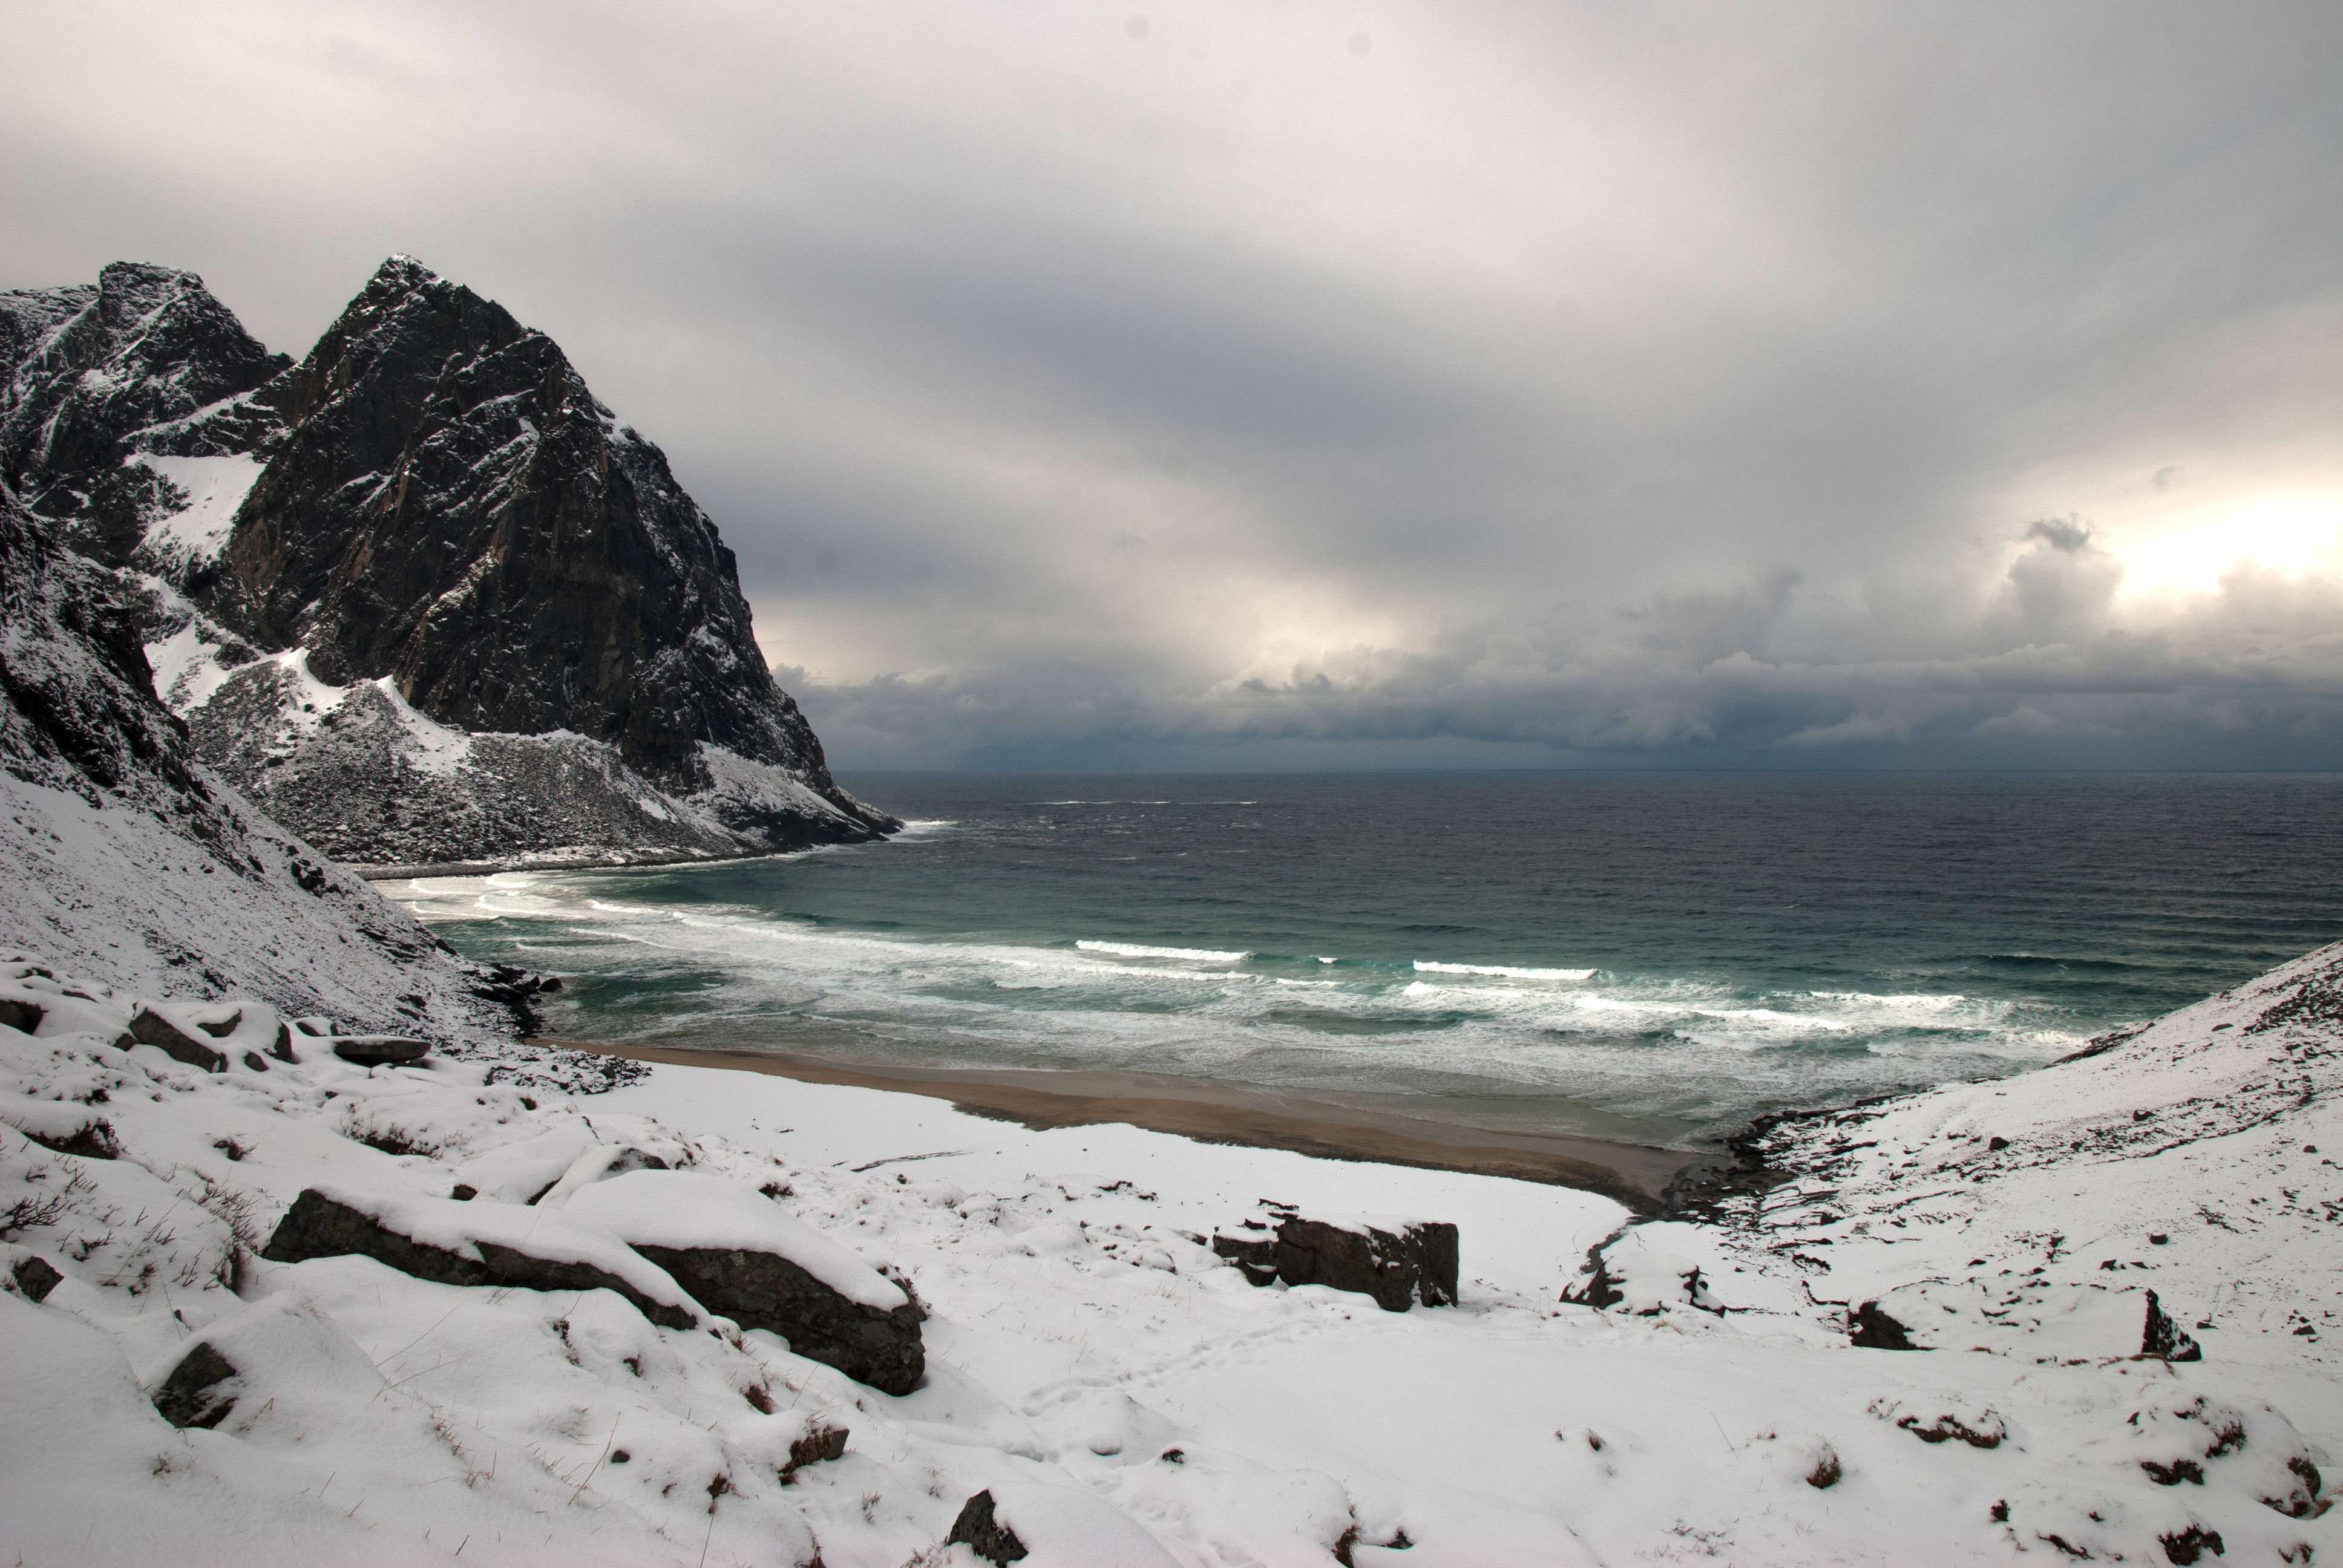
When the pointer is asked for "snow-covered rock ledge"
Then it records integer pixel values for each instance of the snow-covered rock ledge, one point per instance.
(1099, 1385)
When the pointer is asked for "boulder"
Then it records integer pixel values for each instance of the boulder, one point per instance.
(821, 1443)
(476, 1243)
(378, 1049)
(1871, 1327)
(149, 1027)
(2161, 1336)
(36, 1277)
(193, 1395)
(1396, 1261)
(977, 1530)
(21, 1015)
(1255, 1256)
(1046, 1526)
(739, 1253)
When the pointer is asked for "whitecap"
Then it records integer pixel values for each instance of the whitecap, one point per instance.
(1139, 951)
(1507, 972)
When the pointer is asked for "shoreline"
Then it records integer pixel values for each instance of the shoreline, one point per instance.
(1639, 1176)
(374, 874)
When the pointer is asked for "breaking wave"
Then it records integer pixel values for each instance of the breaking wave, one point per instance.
(1139, 951)
(1426, 965)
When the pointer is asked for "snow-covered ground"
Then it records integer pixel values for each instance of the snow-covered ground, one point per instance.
(1124, 1394)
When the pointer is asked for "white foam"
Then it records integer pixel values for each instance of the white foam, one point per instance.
(1507, 971)
(1137, 950)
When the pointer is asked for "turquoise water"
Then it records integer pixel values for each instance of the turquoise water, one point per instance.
(1655, 956)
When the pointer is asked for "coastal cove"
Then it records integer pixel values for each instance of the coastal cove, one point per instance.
(1641, 959)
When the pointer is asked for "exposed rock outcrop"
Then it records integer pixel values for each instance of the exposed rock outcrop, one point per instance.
(976, 1528)
(1396, 1261)
(146, 351)
(763, 1291)
(741, 1255)
(534, 1256)
(193, 1395)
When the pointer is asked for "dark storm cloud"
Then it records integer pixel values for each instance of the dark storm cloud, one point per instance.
(1836, 384)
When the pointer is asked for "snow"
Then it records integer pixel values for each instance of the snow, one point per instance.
(1125, 1395)
(543, 1231)
(684, 1210)
(215, 488)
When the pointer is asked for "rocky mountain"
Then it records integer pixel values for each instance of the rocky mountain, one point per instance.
(123, 860)
(89, 367)
(420, 596)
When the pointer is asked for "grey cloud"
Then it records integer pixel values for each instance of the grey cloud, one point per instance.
(1065, 391)
(2192, 690)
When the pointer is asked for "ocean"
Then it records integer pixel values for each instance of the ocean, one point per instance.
(1653, 956)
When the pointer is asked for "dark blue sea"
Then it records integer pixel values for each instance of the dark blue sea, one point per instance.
(1655, 956)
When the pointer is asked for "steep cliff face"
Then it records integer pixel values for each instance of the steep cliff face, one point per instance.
(146, 361)
(451, 507)
(421, 595)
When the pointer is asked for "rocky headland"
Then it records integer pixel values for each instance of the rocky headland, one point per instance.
(420, 596)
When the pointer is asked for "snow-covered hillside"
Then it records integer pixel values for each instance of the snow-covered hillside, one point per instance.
(1121, 1393)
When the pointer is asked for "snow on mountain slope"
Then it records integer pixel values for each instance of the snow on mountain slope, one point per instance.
(123, 860)
(1116, 1386)
(206, 492)
(382, 786)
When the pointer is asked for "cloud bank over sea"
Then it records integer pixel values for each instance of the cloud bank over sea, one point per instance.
(2042, 666)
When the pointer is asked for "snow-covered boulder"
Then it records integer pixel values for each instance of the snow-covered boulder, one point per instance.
(1053, 1527)
(741, 1255)
(1397, 1262)
(477, 1244)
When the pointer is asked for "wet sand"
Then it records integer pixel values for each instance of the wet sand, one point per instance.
(1634, 1174)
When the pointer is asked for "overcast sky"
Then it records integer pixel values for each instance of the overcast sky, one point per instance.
(1285, 383)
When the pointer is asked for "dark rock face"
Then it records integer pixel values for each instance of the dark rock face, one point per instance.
(151, 1028)
(318, 1227)
(192, 1394)
(1417, 1262)
(1871, 1328)
(88, 367)
(977, 1528)
(380, 1050)
(451, 508)
(1254, 1256)
(760, 1290)
(80, 713)
(823, 1443)
(37, 1277)
(2160, 1336)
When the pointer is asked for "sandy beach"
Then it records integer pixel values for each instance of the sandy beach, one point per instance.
(1634, 1174)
